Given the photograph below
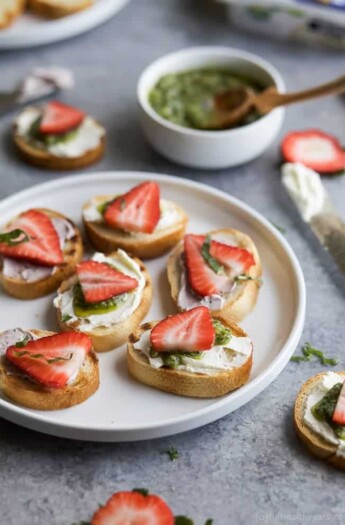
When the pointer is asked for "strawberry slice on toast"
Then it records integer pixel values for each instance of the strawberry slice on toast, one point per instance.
(339, 412)
(190, 331)
(100, 282)
(137, 210)
(237, 259)
(315, 149)
(58, 118)
(51, 361)
(43, 245)
(134, 508)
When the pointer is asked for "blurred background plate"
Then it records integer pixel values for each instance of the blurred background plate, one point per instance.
(30, 30)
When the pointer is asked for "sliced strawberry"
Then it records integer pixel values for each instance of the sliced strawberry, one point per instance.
(135, 211)
(59, 118)
(133, 508)
(100, 282)
(190, 331)
(43, 246)
(339, 412)
(315, 149)
(233, 257)
(202, 279)
(53, 360)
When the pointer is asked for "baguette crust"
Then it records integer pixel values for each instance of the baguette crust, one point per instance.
(8, 17)
(109, 338)
(32, 395)
(56, 8)
(73, 253)
(186, 383)
(146, 246)
(243, 299)
(44, 159)
(314, 442)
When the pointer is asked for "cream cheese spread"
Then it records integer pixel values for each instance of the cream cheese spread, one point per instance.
(128, 302)
(170, 215)
(305, 188)
(214, 361)
(30, 273)
(88, 135)
(322, 428)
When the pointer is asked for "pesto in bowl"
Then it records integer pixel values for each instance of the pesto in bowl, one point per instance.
(185, 98)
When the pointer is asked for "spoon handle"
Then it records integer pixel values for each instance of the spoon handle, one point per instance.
(274, 99)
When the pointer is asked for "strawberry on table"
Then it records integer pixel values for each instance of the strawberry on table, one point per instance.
(53, 360)
(190, 331)
(315, 149)
(43, 246)
(100, 282)
(137, 210)
(339, 412)
(133, 508)
(58, 118)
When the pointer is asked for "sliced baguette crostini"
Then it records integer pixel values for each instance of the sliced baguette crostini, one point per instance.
(317, 434)
(58, 8)
(63, 371)
(188, 334)
(239, 273)
(24, 277)
(9, 11)
(59, 137)
(137, 221)
(108, 329)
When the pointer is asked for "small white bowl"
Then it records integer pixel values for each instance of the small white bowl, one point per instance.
(209, 149)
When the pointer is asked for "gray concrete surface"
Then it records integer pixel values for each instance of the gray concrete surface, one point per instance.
(248, 467)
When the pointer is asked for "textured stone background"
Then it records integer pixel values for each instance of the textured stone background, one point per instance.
(248, 467)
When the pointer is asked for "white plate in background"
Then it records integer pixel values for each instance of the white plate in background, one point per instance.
(32, 30)
(123, 409)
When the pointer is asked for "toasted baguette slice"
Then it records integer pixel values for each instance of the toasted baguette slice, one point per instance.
(32, 395)
(73, 253)
(109, 338)
(45, 159)
(9, 11)
(186, 383)
(58, 8)
(143, 245)
(243, 299)
(314, 442)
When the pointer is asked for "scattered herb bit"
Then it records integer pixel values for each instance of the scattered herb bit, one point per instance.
(41, 356)
(209, 522)
(14, 237)
(66, 318)
(183, 520)
(279, 228)
(245, 277)
(153, 353)
(82, 523)
(144, 492)
(324, 409)
(211, 261)
(172, 359)
(223, 334)
(23, 342)
(309, 351)
(173, 453)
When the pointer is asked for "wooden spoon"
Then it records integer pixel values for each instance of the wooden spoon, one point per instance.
(232, 106)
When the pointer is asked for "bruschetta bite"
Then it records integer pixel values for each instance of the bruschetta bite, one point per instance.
(107, 298)
(47, 371)
(319, 416)
(191, 354)
(58, 8)
(59, 137)
(138, 221)
(38, 250)
(220, 270)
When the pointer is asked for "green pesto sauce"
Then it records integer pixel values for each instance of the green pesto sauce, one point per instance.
(184, 98)
(50, 140)
(83, 309)
(324, 409)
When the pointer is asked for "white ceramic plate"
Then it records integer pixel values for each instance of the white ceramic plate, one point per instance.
(122, 409)
(31, 30)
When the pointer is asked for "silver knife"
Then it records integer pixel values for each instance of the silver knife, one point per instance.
(314, 204)
(12, 100)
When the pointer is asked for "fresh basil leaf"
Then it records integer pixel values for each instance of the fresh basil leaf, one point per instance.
(309, 351)
(183, 520)
(211, 261)
(41, 356)
(14, 237)
(23, 342)
(173, 453)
